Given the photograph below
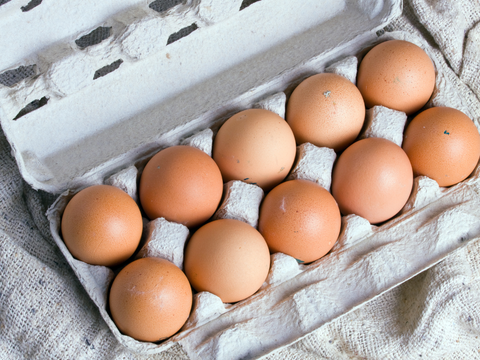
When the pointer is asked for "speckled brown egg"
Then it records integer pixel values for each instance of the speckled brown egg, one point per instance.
(102, 225)
(181, 184)
(256, 146)
(396, 74)
(301, 219)
(228, 258)
(373, 178)
(443, 144)
(150, 299)
(326, 110)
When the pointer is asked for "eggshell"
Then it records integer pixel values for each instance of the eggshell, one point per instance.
(373, 178)
(228, 258)
(396, 74)
(150, 299)
(326, 110)
(102, 225)
(301, 219)
(443, 144)
(181, 184)
(256, 146)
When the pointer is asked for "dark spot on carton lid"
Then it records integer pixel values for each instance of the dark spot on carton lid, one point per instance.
(14, 76)
(247, 3)
(32, 4)
(163, 5)
(94, 37)
(107, 69)
(34, 105)
(182, 33)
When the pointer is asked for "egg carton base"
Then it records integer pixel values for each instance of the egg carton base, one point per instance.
(366, 261)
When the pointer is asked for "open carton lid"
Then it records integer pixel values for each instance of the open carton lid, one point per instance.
(100, 108)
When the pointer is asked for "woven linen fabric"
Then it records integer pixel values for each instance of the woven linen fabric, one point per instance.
(46, 314)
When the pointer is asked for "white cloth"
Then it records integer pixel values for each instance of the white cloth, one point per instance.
(46, 314)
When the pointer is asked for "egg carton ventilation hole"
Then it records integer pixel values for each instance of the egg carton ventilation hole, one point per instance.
(95, 37)
(164, 5)
(247, 3)
(182, 33)
(12, 77)
(34, 105)
(107, 69)
(31, 5)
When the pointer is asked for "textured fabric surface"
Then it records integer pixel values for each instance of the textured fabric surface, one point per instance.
(46, 314)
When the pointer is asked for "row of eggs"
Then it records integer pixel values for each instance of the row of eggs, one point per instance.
(150, 299)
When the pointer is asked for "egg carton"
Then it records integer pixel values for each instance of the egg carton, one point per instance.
(112, 131)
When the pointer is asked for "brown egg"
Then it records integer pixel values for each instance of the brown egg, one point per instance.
(326, 110)
(443, 144)
(181, 184)
(102, 225)
(301, 219)
(372, 178)
(228, 258)
(256, 146)
(150, 299)
(396, 74)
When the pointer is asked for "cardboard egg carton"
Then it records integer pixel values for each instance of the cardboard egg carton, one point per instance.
(163, 93)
